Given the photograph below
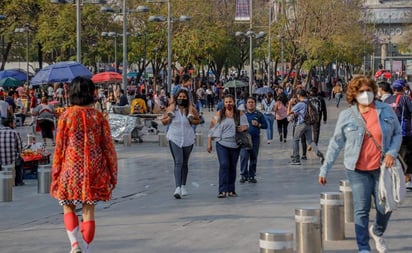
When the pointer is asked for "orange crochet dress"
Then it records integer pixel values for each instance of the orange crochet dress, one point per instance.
(85, 160)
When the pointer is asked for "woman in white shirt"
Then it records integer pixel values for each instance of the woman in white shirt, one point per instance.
(181, 137)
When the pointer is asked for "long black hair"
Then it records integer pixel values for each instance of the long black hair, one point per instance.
(81, 91)
(236, 112)
(187, 95)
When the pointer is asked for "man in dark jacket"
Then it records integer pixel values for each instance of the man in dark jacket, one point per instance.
(256, 122)
(320, 104)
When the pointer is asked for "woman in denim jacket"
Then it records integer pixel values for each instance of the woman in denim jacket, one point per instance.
(362, 157)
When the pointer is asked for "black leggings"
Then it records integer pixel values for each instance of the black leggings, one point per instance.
(283, 127)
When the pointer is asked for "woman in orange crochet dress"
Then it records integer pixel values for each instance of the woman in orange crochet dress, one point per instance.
(85, 163)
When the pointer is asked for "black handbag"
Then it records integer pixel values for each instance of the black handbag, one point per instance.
(243, 139)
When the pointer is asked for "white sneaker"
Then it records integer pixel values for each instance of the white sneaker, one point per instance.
(184, 191)
(178, 193)
(76, 249)
(364, 251)
(408, 185)
(379, 241)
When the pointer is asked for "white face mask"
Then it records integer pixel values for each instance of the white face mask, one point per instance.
(365, 98)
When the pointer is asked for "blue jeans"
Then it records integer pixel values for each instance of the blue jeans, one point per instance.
(303, 130)
(181, 160)
(252, 154)
(227, 167)
(364, 185)
(270, 119)
(338, 96)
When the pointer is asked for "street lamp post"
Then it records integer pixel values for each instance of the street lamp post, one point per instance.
(124, 12)
(27, 31)
(182, 18)
(113, 35)
(78, 22)
(282, 56)
(251, 35)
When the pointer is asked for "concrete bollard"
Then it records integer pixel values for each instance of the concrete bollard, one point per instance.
(308, 231)
(162, 140)
(12, 170)
(199, 139)
(276, 241)
(333, 220)
(6, 189)
(127, 140)
(43, 178)
(345, 188)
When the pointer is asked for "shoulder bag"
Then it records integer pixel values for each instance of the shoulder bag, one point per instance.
(243, 139)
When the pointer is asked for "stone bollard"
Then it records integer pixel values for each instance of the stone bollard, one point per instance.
(127, 140)
(12, 170)
(162, 140)
(199, 139)
(308, 231)
(333, 220)
(344, 187)
(43, 178)
(6, 188)
(276, 241)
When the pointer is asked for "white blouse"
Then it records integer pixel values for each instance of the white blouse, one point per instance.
(180, 131)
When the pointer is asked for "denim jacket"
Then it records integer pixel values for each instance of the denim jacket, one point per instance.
(349, 135)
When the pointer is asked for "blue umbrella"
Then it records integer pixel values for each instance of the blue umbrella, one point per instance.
(60, 72)
(18, 74)
(263, 91)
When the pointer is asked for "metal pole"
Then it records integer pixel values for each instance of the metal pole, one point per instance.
(115, 54)
(390, 38)
(169, 47)
(144, 62)
(78, 31)
(27, 54)
(124, 70)
(270, 24)
(282, 57)
(251, 49)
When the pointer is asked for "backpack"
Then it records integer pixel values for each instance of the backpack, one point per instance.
(311, 114)
(315, 101)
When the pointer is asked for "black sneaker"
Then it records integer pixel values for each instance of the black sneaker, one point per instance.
(321, 158)
(252, 180)
(294, 162)
(281, 139)
(242, 180)
(304, 157)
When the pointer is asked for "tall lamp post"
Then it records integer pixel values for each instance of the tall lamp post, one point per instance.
(124, 12)
(115, 36)
(26, 30)
(251, 35)
(169, 35)
(78, 21)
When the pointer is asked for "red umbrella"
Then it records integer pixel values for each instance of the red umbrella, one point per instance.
(383, 73)
(107, 77)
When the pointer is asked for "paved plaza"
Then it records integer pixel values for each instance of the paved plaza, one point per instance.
(144, 217)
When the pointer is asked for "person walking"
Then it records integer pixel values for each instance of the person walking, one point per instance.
(248, 157)
(302, 128)
(223, 128)
(360, 129)
(337, 93)
(84, 165)
(320, 105)
(181, 139)
(45, 120)
(402, 106)
(268, 105)
(280, 109)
